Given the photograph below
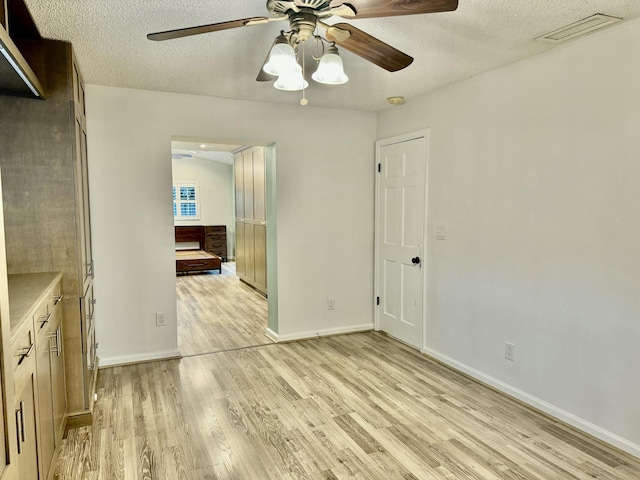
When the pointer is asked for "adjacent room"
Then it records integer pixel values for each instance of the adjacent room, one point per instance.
(220, 274)
(403, 245)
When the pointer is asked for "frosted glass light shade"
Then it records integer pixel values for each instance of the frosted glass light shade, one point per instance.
(282, 60)
(330, 70)
(291, 82)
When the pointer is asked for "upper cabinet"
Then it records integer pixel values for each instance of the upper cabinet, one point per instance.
(19, 39)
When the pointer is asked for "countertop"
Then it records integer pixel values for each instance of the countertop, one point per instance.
(26, 292)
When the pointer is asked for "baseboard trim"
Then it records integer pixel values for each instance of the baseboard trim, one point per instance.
(539, 404)
(139, 358)
(77, 420)
(271, 335)
(327, 332)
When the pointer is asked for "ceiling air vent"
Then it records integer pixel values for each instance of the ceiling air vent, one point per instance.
(579, 28)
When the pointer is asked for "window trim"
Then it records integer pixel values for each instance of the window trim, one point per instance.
(177, 202)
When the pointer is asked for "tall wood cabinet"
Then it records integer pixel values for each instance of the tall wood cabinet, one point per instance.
(251, 217)
(46, 208)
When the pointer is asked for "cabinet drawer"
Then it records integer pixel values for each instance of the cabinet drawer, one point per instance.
(23, 351)
(215, 245)
(55, 295)
(193, 265)
(42, 317)
(215, 230)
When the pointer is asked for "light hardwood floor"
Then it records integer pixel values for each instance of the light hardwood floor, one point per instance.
(354, 406)
(217, 312)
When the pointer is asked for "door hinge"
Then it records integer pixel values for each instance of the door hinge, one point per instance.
(377, 300)
(379, 167)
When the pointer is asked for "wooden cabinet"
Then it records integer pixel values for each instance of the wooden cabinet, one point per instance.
(27, 458)
(45, 160)
(46, 434)
(37, 370)
(251, 217)
(23, 347)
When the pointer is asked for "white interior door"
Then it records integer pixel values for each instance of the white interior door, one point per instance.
(400, 237)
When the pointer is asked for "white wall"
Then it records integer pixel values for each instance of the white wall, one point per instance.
(324, 182)
(215, 181)
(535, 172)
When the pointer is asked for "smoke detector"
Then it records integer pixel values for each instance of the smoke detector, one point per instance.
(395, 100)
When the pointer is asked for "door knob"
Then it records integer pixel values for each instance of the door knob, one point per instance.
(415, 260)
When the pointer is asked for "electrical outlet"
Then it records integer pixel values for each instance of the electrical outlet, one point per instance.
(160, 319)
(510, 351)
(331, 304)
(441, 232)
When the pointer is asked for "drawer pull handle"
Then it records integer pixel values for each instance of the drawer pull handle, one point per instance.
(18, 428)
(25, 352)
(58, 348)
(44, 319)
(22, 429)
(56, 299)
(94, 347)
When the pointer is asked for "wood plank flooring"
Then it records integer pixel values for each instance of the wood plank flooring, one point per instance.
(359, 406)
(217, 312)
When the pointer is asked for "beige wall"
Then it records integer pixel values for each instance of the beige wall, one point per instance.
(535, 172)
(324, 199)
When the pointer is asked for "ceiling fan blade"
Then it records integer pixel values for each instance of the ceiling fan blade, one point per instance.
(214, 27)
(370, 48)
(262, 75)
(392, 8)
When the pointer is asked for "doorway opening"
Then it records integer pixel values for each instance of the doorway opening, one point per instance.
(226, 282)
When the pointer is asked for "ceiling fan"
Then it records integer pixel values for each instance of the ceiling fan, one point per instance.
(304, 17)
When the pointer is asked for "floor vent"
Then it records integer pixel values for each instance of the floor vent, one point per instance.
(579, 28)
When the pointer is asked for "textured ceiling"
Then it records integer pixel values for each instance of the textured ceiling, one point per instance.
(110, 41)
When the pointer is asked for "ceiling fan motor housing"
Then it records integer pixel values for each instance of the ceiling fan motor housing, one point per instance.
(282, 8)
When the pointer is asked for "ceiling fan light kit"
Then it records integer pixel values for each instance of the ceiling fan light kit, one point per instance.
(330, 69)
(291, 82)
(282, 60)
(304, 17)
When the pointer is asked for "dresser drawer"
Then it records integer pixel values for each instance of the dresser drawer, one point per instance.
(215, 230)
(217, 244)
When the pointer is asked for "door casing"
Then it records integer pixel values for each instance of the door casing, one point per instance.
(424, 134)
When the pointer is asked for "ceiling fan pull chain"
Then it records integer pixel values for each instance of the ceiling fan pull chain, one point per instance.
(304, 100)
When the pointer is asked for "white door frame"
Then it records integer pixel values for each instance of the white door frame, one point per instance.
(376, 281)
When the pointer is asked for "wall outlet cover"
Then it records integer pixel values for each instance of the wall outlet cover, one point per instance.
(510, 351)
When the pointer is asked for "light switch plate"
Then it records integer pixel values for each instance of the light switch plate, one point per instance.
(441, 232)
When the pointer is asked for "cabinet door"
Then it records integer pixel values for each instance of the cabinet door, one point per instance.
(84, 260)
(86, 210)
(240, 255)
(249, 252)
(87, 312)
(45, 403)
(247, 158)
(56, 361)
(259, 186)
(238, 174)
(260, 268)
(25, 415)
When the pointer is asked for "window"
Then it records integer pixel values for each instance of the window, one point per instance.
(185, 201)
